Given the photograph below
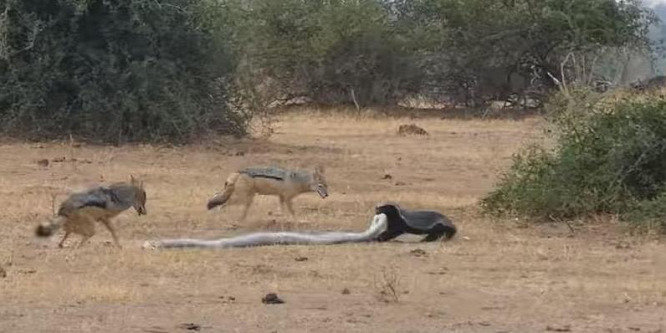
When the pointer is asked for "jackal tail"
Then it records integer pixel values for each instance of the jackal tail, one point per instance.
(221, 198)
(48, 228)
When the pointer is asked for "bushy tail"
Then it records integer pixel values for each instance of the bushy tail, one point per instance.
(48, 228)
(221, 198)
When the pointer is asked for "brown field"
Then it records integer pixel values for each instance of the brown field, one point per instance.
(492, 277)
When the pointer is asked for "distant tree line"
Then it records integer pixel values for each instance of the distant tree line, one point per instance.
(174, 70)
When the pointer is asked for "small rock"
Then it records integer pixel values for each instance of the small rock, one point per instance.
(387, 176)
(346, 291)
(441, 271)
(190, 326)
(622, 245)
(400, 183)
(58, 159)
(484, 323)
(411, 129)
(43, 162)
(301, 258)
(227, 299)
(271, 298)
(240, 153)
(436, 314)
(418, 253)
(565, 328)
(3, 273)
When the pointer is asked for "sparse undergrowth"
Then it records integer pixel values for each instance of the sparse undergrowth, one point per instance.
(609, 158)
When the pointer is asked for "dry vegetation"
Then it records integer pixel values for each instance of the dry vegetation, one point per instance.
(493, 277)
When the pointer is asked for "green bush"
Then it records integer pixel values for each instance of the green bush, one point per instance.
(611, 160)
(648, 214)
(112, 71)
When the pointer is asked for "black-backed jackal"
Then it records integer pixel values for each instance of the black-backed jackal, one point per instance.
(242, 186)
(78, 213)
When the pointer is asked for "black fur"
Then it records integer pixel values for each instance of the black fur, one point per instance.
(419, 222)
(265, 176)
(270, 173)
(81, 200)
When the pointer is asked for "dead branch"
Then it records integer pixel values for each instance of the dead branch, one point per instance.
(353, 96)
(563, 76)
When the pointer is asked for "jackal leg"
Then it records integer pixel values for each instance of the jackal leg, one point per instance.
(78, 224)
(85, 226)
(83, 241)
(290, 208)
(282, 206)
(246, 208)
(62, 242)
(107, 223)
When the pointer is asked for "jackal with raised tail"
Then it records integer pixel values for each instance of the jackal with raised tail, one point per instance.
(79, 212)
(241, 186)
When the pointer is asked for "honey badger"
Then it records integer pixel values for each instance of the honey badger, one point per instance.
(418, 222)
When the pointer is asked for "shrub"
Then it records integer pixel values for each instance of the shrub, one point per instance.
(648, 214)
(611, 159)
(112, 71)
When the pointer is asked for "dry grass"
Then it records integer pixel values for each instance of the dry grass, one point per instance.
(493, 277)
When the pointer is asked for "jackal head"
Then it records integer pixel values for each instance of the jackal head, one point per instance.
(139, 196)
(319, 184)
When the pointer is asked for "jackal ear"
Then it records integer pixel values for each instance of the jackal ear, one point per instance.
(133, 180)
(319, 169)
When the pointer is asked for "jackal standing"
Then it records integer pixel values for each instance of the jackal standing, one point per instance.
(78, 213)
(243, 185)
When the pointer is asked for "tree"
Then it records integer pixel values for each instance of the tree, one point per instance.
(467, 40)
(335, 52)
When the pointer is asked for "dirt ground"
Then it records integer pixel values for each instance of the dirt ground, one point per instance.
(494, 276)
